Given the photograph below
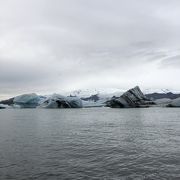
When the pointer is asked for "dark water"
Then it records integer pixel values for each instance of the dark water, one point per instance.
(96, 143)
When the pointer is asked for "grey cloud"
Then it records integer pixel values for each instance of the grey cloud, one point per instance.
(173, 61)
(71, 44)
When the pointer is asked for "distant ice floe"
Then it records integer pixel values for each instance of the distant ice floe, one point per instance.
(163, 101)
(174, 103)
(91, 103)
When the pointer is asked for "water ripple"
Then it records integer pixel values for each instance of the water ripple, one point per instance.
(95, 143)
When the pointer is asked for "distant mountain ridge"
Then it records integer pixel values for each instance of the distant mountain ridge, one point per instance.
(169, 95)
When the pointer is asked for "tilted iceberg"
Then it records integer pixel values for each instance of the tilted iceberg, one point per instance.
(131, 99)
(58, 101)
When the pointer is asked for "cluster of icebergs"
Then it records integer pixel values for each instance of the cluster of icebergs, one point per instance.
(132, 98)
(35, 101)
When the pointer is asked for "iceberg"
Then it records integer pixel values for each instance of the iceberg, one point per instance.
(7, 102)
(163, 102)
(174, 103)
(133, 98)
(59, 101)
(4, 106)
(88, 104)
(27, 100)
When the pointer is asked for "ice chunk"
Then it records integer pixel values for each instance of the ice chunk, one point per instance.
(174, 103)
(4, 106)
(163, 101)
(27, 100)
(132, 98)
(58, 101)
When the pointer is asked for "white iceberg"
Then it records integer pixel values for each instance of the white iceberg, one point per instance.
(27, 100)
(100, 103)
(163, 101)
(174, 103)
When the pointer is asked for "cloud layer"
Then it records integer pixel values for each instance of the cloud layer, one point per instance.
(49, 46)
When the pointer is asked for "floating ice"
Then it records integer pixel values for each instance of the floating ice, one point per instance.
(174, 103)
(58, 101)
(27, 100)
(132, 98)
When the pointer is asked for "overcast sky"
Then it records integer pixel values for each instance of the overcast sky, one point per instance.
(51, 46)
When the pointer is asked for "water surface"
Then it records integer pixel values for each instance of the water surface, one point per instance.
(94, 143)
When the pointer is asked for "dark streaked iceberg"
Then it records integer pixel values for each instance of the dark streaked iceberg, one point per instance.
(133, 98)
(58, 101)
(7, 102)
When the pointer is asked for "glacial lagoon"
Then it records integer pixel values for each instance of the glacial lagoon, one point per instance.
(90, 143)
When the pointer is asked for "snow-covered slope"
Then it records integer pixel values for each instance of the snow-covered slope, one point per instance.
(106, 92)
(150, 91)
(161, 91)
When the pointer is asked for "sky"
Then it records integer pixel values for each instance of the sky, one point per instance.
(49, 46)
